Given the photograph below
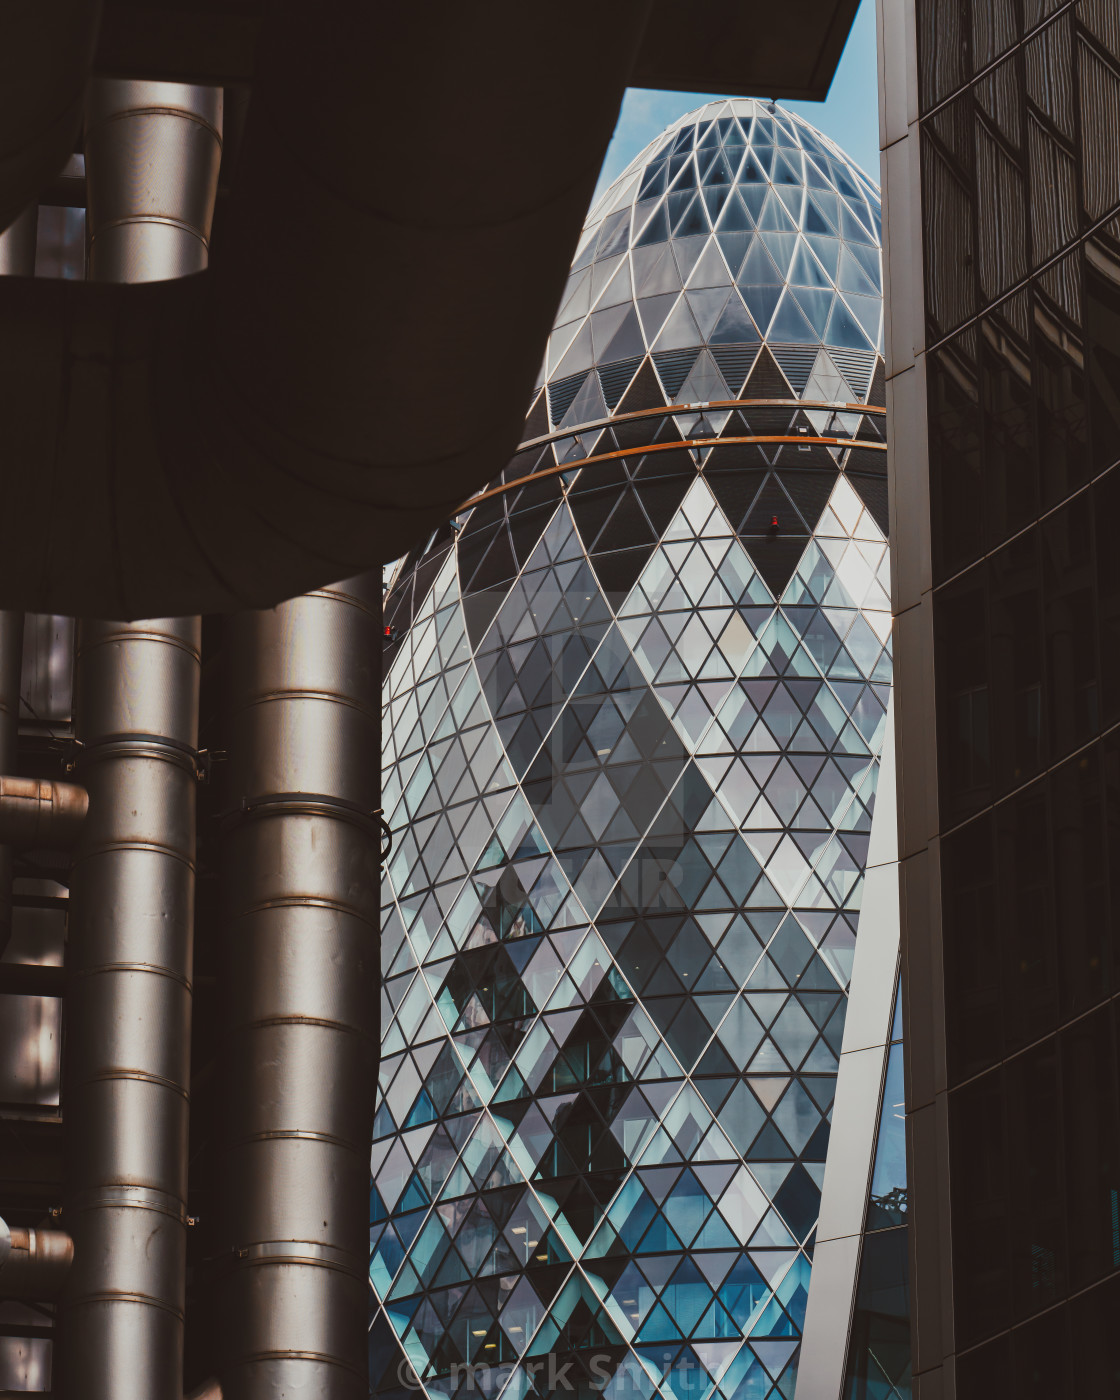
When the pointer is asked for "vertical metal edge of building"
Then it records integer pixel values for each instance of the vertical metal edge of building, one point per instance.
(915, 721)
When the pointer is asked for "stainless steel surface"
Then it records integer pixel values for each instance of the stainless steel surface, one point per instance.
(25, 1361)
(47, 688)
(35, 812)
(17, 245)
(301, 868)
(152, 154)
(35, 1264)
(152, 157)
(129, 969)
(31, 1021)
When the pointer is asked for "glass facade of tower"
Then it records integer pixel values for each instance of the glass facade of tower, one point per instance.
(635, 700)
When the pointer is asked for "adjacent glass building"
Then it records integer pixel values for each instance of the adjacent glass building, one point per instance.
(999, 124)
(636, 696)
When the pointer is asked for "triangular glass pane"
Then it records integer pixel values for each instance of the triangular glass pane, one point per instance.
(710, 269)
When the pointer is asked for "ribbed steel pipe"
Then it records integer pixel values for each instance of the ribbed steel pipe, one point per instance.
(152, 155)
(129, 965)
(301, 909)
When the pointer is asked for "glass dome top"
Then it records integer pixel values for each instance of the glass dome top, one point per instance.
(739, 225)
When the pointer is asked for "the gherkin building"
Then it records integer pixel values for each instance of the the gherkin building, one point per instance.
(635, 699)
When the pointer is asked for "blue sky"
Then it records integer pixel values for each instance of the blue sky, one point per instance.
(850, 115)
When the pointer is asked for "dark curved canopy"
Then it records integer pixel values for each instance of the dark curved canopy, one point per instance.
(409, 192)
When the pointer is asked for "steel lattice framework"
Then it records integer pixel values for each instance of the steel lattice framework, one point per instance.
(635, 702)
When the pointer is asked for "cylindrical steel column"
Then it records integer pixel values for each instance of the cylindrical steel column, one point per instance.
(129, 966)
(152, 156)
(301, 901)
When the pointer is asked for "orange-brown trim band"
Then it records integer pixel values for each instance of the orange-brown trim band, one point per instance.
(719, 404)
(665, 447)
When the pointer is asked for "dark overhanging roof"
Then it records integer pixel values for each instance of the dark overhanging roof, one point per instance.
(755, 49)
(294, 417)
(759, 48)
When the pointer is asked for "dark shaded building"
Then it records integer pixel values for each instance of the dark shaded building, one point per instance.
(1002, 256)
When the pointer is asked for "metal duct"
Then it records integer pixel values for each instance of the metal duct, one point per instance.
(151, 165)
(33, 1263)
(35, 812)
(152, 157)
(129, 966)
(361, 354)
(301, 907)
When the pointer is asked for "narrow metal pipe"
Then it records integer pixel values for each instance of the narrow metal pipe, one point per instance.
(301, 856)
(33, 1263)
(35, 812)
(129, 968)
(152, 153)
